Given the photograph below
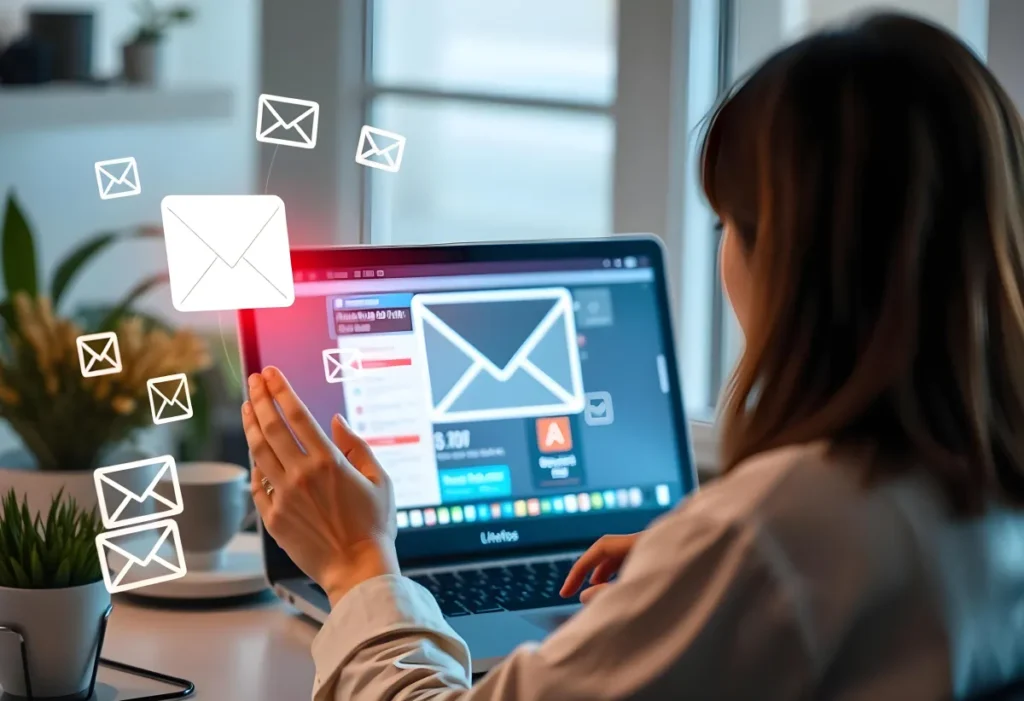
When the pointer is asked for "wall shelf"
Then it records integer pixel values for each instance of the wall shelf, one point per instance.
(48, 107)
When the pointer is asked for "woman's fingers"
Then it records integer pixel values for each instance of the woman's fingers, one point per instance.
(605, 570)
(578, 572)
(262, 452)
(271, 423)
(355, 450)
(590, 592)
(302, 423)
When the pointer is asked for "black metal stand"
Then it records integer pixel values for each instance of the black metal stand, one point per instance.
(186, 690)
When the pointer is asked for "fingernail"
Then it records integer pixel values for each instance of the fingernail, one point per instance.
(268, 373)
(246, 408)
(341, 419)
(254, 380)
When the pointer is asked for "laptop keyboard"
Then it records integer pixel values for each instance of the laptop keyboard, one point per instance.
(500, 588)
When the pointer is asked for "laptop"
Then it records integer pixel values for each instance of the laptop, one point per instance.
(523, 397)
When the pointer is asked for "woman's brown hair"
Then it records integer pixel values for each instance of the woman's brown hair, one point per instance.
(874, 175)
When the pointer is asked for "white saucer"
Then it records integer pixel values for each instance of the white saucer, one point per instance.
(241, 574)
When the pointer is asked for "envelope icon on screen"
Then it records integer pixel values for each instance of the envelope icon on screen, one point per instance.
(227, 252)
(98, 354)
(169, 399)
(118, 487)
(136, 557)
(342, 364)
(499, 354)
(287, 121)
(380, 149)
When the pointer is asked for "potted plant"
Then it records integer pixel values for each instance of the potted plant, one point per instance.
(52, 593)
(69, 424)
(141, 54)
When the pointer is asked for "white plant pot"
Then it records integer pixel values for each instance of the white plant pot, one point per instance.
(61, 628)
(40, 486)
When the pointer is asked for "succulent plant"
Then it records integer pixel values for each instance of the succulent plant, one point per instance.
(51, 554)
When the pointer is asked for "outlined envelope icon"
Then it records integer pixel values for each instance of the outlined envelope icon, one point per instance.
(120, 486)
(499, 354)
(287, 121)
(118, 177)
(169, 398)
(227, 252)
(98, 354)
(342, 364)
(136, 557)
(380, 149)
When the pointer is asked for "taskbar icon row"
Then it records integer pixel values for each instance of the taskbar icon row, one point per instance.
(583, 502)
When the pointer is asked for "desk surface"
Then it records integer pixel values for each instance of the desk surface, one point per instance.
(255, 650)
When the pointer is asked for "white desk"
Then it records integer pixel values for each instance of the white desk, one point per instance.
(252, 652)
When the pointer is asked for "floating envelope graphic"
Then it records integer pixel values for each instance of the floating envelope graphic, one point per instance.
(98, 354)
(380, 149)
(169, 399)
(136, 557)
(342, 364)
(227, 252)
(118, 177)
(119, 487)
(499, 354)
(287, 121)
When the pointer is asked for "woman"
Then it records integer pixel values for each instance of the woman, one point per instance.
(867, 540)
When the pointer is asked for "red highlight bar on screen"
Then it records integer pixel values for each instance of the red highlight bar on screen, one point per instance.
(379, 441)
(381, 363)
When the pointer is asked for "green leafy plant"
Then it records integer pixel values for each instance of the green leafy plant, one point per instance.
(51, 554)
(66, 421)
(155, 21)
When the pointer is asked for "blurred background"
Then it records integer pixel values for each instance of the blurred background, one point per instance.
(524, 119)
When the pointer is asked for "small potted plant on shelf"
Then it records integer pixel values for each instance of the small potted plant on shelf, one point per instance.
(141, 54)
(69, 424)
(52, 594)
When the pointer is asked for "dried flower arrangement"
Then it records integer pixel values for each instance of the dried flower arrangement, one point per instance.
(64, 419)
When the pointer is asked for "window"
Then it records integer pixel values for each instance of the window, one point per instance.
(506, 108)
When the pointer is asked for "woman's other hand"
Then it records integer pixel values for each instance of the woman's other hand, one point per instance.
(604, 557)
(331, 506)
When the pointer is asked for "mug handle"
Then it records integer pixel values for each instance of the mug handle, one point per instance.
(250, 507)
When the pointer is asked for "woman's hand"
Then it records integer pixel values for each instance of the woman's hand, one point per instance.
(604, 557)
(331, 506)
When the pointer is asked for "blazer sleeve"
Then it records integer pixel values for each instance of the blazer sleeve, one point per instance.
(699, 612)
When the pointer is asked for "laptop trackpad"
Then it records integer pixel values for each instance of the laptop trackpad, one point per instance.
(549, 620)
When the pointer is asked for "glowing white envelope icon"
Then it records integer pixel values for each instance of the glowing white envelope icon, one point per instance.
(169, 399)
(98, 354)
(136, 557)
(380, 149)
(119, 486)
(526, 364)
(287, 121)
(342, 364)
(227, 252)
(118, 177)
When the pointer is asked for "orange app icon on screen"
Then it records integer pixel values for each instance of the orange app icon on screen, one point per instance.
(554, 435)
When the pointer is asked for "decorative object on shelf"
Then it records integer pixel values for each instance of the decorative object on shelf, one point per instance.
(68, 35)
(52, 594)
(141, 55)
(68, 423)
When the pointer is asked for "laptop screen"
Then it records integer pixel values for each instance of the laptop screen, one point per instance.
(520, 397)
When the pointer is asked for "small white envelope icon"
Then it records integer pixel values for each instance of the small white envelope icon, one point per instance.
(169, 399)
(120, 486)
(227, 252)
(98, 354)
(342, 364)
(118, 177)
(380, 149)
(287, 121)
(136, 557)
